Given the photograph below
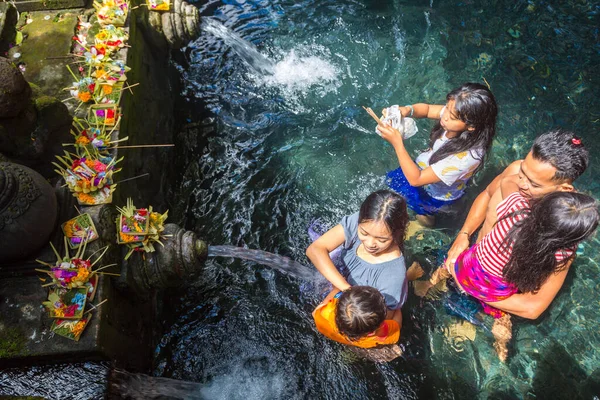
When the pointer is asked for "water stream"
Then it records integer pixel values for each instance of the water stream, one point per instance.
(277, 262)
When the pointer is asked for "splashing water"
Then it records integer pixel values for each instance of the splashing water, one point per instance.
(294, 72)
(300, 73)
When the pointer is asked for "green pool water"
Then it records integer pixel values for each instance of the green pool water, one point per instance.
(296, 146)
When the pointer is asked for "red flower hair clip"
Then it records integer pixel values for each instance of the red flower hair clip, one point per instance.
(576, 141)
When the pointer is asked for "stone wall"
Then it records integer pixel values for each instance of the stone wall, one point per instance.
(148, 116)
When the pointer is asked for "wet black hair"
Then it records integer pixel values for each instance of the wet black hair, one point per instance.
(564, 151)
(557, 221)
(475, 105)
(360, 311)
(389, 207)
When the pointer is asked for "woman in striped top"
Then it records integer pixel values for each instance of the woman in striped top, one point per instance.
(527, 253)
(527, 245)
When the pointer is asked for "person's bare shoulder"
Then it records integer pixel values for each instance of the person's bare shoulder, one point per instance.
(512, 169)
(509, 185)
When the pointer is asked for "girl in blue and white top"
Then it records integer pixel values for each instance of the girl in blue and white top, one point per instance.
(458, 145)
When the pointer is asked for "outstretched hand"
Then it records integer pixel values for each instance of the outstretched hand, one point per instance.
(390, 134)
(461, 243)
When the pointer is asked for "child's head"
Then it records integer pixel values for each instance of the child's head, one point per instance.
(360, 311)
(557, 221)
(471, 111)
(382, 221)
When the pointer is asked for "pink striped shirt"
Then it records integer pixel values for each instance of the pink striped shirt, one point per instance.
(492, 256)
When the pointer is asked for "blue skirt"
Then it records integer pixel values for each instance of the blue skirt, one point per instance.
(416, 198)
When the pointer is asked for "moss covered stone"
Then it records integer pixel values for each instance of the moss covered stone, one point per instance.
(47, 40)
(12, 342)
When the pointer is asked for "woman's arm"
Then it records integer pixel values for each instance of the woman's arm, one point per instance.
(318, 253)
(414, 175)
(477, 215)
(396, 315)
(422, 110)
(530, 305)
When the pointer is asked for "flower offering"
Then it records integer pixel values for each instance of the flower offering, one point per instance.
(90, 178)
(105, 114)
(111, 12)
(134, 222)
(111, 38)
(79, 229)
(66, 303)
(68, 328)
(140, 228)
(158, 5)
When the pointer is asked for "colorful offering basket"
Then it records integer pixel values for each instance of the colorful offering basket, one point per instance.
(92, 139)
(139, 229)
(66, 303)
(79, 229)
(68, 328)
(104, 114)
(101, 196)
(111, 39)
(90, 178)
(134, 221)
(158, 5)
(82, 89)
(112, 12)
(108, 92)
(73, 272)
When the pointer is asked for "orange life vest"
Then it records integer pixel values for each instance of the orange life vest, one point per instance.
(324, 316)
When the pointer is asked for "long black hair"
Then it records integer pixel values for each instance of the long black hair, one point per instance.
(557, 221)
(474, 105)
(389, 207)
(360, 311)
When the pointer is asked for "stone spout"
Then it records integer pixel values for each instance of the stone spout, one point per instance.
(180, 259)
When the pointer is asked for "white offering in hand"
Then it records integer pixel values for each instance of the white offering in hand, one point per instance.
(393, 117)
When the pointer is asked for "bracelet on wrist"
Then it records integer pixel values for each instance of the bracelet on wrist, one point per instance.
(412, 110)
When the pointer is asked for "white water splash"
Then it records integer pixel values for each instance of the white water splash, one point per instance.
(300, 73)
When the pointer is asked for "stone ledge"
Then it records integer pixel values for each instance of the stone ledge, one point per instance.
(37, 5)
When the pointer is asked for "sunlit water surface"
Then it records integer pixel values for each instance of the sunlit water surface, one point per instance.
(292, 145)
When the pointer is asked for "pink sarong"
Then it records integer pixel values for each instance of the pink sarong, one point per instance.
(481, 284)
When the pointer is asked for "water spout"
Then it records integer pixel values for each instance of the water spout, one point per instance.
(247, 52)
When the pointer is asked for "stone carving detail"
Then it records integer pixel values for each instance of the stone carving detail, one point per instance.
(28, 211)
(180, 25)
(181, 257)
(18, 191)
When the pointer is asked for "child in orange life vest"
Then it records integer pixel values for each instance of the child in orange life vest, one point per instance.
(356, 317)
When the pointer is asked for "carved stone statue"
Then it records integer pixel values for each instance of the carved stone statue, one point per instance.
(28, 211)
(32, 126)
(180, 259)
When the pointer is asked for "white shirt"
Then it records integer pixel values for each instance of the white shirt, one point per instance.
(454, 171)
